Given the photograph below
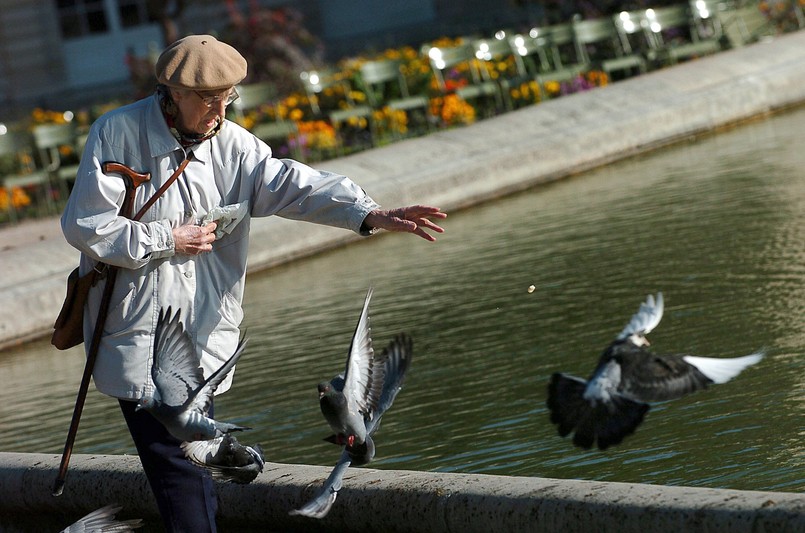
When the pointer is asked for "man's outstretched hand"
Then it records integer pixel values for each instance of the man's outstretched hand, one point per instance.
(412, 219)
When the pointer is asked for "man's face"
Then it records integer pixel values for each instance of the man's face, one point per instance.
(200, 111)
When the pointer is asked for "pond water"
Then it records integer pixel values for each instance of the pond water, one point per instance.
(717, 224)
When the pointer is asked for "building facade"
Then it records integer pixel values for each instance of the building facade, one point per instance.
(61, 53)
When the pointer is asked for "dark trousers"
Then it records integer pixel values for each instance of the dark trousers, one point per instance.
(185, 493)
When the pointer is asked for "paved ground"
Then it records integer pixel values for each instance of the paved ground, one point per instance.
(29, 231)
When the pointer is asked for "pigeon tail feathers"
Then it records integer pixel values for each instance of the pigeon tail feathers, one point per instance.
(228, 427)
(321, 504)
(606, 423)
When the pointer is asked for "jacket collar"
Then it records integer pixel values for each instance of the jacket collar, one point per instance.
(160, 139)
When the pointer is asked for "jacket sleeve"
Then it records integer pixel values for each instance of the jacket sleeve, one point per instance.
(91, 221)
(296, 191)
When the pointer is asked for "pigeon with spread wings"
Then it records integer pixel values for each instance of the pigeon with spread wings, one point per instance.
(611, 404)
(349, 399)
(181, 397)
(382, 377)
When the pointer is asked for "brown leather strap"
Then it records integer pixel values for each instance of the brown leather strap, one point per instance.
(164, 188)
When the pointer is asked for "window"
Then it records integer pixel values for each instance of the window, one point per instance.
(132, 13)
(78, 18)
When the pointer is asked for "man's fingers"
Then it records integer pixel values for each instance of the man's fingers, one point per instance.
(412, 219)
(425, 235)
(194, 240)
(431, 225)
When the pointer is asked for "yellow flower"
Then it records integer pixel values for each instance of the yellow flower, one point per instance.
(552, 87)
(19, 198)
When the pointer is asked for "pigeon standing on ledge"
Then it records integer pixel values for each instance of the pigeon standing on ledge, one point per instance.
(612, 403)
(373, 392)
(182, 397)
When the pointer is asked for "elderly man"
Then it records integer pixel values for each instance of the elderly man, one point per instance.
(189, 248)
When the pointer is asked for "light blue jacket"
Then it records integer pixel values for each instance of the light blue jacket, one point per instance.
(234, 167)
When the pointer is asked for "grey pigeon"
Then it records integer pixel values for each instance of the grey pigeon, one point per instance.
(226, 459)
(103, 521)
(350, 398)
(395, 360)
(182, 397)
(611, 404)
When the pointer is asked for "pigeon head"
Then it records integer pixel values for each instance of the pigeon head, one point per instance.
(638, 339)
(324, 388)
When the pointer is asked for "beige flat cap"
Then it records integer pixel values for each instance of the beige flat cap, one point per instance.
(201, 63)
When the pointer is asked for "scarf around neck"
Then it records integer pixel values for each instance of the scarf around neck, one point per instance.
(170, 110)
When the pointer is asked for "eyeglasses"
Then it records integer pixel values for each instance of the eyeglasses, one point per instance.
(227, 99)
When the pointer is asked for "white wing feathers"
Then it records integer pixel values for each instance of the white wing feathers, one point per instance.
(721, 370)
(358, 374)
(646, 319)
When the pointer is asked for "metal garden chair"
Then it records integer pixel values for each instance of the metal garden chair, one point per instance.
(386, 86)
(16, 147)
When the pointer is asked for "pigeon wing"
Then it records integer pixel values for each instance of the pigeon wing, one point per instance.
(655, 378)
(176, 370)
(358, 383)
(201, 398)
(721, 370)
(103, 520)
(397, 358)
(666, 377)
(646, 319)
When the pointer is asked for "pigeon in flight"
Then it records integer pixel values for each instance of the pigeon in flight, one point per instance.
(103, 521)
(611, 404)
(349, 399)
(182, 397)
(226, 459)
(387, 373)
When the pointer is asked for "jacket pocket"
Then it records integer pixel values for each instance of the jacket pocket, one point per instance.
(120, 317)
(224, 336)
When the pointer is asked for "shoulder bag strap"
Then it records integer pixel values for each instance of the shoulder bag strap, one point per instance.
(164, 188)
(99, 270)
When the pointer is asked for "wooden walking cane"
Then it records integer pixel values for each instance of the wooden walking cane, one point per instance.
(132, 180)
